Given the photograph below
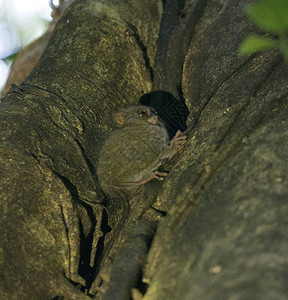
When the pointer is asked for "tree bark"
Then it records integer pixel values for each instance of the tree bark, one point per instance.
(224, 235)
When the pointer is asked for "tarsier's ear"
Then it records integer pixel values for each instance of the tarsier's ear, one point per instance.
(120, 119)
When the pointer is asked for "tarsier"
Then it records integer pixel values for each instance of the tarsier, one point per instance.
(132, 153)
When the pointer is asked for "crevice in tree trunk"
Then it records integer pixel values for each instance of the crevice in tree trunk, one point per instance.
(162, 213)
(105, 228)
(143, 49)
(174, 37)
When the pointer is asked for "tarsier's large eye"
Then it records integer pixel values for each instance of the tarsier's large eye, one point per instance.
(142, 112)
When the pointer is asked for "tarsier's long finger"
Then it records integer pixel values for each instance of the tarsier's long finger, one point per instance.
(180, 138)
(178, 133)
(160, 173)
(180, 142)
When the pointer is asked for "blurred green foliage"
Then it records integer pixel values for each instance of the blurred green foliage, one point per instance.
(10, 58)
(271, 16)
(21, 22)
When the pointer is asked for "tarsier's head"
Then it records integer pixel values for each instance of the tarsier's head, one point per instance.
(136, 115)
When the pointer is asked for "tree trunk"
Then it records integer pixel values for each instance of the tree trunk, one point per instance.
(224, 235)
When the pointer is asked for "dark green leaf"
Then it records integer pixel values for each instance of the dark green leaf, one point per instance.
(271, 15)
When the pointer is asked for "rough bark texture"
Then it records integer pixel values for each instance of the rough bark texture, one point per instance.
(52, 128)
(229, 190)
(224, 236)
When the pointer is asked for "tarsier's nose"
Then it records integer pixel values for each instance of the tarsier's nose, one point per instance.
(153, 120)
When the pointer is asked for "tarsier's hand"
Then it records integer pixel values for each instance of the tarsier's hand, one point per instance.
(155, 175)
(159, 175)
(177, 143)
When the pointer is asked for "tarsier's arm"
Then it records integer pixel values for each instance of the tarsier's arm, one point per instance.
(176, 144)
